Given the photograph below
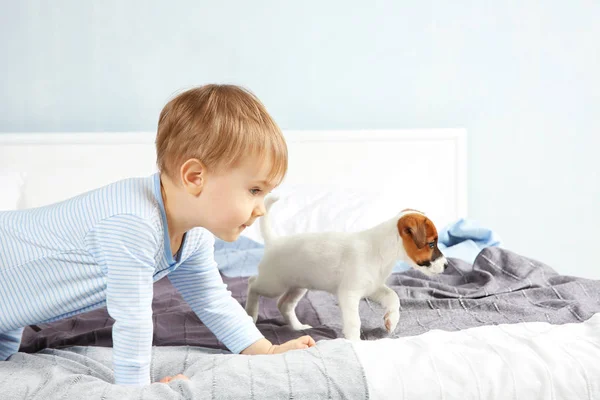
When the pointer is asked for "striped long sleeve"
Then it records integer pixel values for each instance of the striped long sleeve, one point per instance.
(126, 246)
(200, 284)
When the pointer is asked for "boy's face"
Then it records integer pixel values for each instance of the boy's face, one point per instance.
(233, 199)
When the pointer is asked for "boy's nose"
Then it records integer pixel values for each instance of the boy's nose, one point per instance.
(259, 211)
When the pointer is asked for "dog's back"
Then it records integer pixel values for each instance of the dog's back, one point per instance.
(313, 260)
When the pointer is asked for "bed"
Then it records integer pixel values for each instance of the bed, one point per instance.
(495, 325)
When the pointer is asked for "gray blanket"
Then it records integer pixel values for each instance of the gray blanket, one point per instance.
(328, 371)
(501, 287)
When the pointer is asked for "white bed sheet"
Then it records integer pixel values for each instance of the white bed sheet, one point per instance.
(530, 361)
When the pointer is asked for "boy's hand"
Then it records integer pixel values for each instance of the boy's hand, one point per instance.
(303, 342)
(263, 346)
(168, 379)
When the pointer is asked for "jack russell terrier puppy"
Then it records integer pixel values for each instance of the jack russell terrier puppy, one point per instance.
(351, 266)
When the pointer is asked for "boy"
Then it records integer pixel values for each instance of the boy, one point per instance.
(219, 153)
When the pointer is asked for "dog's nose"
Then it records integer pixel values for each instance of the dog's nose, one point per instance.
(445, 264)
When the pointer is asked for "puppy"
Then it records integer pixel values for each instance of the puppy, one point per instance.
(351, 266)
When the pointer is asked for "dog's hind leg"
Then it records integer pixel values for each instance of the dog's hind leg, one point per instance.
(257, 288)
(389, 300)
(287, 307)
(252, 299)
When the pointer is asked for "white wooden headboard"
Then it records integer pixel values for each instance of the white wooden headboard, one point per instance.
(423, 168)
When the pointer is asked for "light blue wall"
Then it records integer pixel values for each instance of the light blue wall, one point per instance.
(522, 76)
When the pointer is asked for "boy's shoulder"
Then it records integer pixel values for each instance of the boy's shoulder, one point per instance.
(133, 196)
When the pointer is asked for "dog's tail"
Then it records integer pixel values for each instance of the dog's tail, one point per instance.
(265, 220)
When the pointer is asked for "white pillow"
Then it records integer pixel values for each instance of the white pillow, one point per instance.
(11, 184)
(315, 208)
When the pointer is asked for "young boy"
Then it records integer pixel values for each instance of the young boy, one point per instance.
(219, 153)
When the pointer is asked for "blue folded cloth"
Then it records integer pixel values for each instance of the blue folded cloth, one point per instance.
(463, 239)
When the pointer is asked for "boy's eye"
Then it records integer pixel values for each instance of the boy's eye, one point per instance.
(255, 191)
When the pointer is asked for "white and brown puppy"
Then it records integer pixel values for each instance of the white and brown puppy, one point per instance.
(351, 266)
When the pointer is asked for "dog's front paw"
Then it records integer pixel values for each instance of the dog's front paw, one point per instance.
(301, 327)
(391, 320)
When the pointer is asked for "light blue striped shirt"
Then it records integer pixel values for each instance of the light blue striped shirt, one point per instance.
(106, 248)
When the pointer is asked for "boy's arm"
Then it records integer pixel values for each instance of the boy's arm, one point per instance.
(200, 284)
(126, 246)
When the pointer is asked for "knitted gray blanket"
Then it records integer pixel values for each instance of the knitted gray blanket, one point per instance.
(327, 371)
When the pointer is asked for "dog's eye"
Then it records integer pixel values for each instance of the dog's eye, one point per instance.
(431, 245)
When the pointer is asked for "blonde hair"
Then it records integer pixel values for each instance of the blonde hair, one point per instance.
(220, 125)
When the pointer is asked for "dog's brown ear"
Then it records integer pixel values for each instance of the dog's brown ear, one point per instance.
(411, 226)
(419, 235)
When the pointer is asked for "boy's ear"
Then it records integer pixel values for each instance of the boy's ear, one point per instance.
(192, 176)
